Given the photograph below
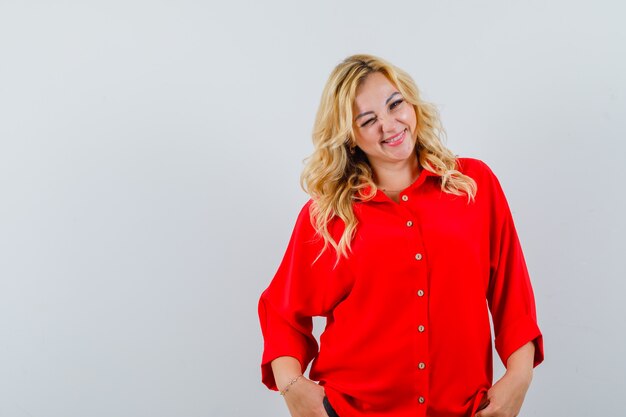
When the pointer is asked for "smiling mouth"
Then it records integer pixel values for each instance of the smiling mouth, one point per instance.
(395, 138)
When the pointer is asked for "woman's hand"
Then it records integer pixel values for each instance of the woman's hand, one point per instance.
(507, 395)
(305, 399)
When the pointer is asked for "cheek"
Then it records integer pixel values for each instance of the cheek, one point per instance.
(366, 138)
(408, 117)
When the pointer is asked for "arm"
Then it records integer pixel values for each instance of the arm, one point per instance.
(519, 341)
(304, 397)
(521, 361)
(300, 290)
(506, 396)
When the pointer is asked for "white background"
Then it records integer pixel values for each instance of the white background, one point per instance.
(150, 154)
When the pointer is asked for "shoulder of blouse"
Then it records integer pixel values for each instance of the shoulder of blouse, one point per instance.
(479, 171)
(470, 166)
(305, 225)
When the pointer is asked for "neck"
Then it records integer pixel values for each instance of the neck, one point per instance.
(395, 178)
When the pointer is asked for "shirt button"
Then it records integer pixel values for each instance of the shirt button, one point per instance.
(418, 256)
(421, 365)
(420, 293)
(421, 328)
(409, 223)
(405, 198)
(421, 400)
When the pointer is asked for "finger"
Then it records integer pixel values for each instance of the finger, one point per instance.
(484, 412)
(483, 403)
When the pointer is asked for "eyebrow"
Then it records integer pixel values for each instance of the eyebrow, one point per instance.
(371, 112)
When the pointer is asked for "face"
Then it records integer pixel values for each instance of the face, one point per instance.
(384, 122)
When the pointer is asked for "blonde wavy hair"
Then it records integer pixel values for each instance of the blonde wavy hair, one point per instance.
(337, 173)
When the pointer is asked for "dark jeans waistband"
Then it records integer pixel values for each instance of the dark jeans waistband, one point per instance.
(329, 409)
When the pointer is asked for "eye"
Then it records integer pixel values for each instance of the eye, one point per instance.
(396, 103)
(369, 122)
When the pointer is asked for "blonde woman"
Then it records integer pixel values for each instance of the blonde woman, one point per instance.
(406, 250)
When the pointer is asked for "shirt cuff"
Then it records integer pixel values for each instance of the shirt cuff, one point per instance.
(282, 339)
(516, 335)
(267, 374)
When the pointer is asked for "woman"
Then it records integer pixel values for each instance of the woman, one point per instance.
(405, 249)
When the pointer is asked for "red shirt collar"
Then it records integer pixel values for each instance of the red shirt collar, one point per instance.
(381, 196)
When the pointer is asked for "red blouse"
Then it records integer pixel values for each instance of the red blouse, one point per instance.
(407, 330)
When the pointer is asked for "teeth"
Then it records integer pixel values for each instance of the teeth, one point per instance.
(397, 138)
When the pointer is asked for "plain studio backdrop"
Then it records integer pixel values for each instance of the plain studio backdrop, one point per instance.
(150, 154)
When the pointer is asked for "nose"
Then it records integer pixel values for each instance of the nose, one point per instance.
(388, 124)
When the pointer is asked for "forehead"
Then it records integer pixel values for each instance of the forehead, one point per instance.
(373, 92)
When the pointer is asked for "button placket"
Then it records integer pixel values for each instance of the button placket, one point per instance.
(416, 251)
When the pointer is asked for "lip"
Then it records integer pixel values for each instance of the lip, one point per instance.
(399, 139)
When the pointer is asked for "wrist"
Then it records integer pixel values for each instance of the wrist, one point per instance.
(283, 380)
(289, 384)
(285, 369)
(520, 373)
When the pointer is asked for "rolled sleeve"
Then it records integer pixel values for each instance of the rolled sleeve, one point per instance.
(283, 339)
(516, 335)
(305, 285)
(510, 294)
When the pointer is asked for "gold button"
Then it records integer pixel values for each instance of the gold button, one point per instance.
(420, 293)
(421, 400)
(421, 328)
(418, 256)
(421, 365)
(409, 223)
(405, 198)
